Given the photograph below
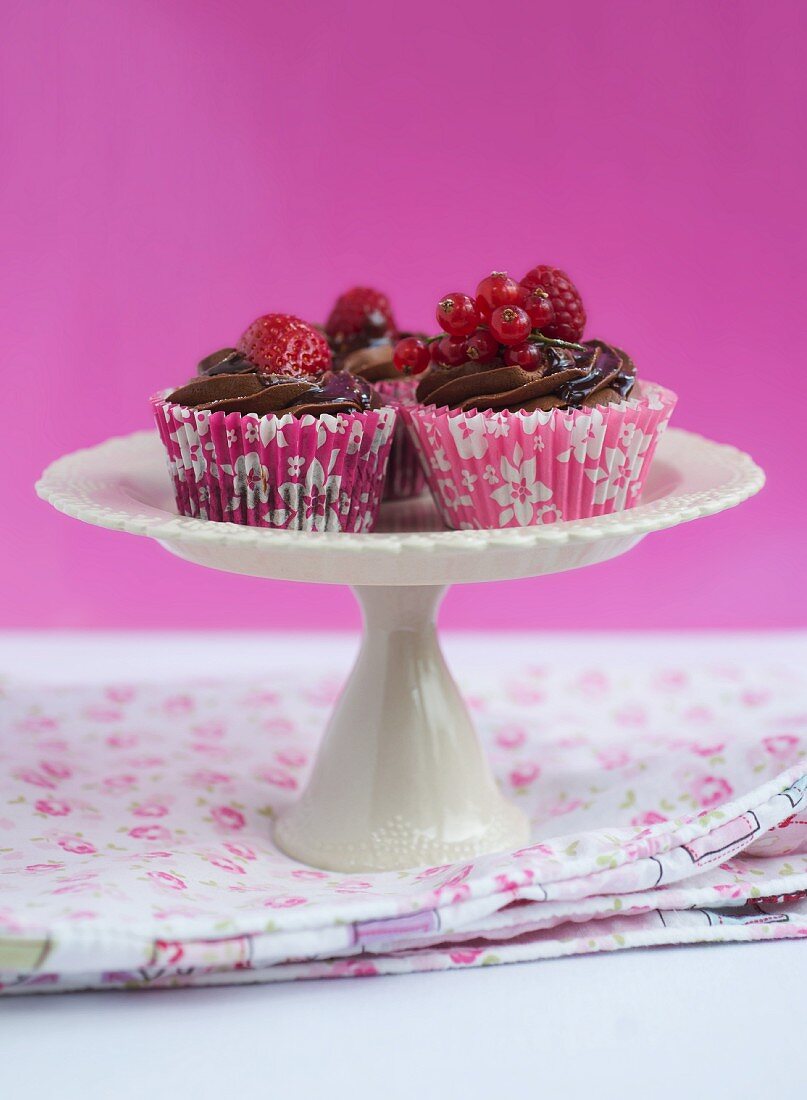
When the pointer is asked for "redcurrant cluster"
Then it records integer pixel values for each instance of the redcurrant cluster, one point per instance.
(507, 320)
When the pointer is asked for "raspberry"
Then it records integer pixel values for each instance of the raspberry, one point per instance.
(570, 316)
(360, 316)
(281, 344)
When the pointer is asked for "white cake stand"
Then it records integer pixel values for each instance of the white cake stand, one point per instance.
(401, 779)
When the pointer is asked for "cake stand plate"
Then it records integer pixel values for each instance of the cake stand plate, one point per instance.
(400, 779)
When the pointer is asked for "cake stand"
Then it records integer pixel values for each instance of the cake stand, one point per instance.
(400, 779)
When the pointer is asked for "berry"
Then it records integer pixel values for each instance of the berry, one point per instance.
(457, 315)
(510, 324)
(436, 353)
(482, 347)
(411, 356)
(281, 344)
(539, 308)
(528, 356)
(359, 316)
(498, 289)
(570, 316)
(450, 351)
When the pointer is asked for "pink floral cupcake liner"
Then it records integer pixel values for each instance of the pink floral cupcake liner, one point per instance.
(516, 469)
(405, 476)
(304, 473)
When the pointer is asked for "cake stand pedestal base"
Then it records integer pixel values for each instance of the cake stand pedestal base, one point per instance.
(401, 779)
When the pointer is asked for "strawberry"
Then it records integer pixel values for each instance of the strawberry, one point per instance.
(359, 317)
(278, 343)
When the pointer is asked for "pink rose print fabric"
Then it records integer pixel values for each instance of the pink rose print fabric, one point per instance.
(668, 806)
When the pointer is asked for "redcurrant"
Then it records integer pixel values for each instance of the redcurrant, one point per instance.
(436, 353)
(538, 306)
(451, 351)
(482, 347)
(411, 355)
(510, 324)
(498, 289)
(457, 315)
(528, 356)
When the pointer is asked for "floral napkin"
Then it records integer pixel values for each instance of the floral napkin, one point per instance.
(668, 805)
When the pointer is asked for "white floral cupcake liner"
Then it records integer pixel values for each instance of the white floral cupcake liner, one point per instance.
(495, 469)
(304, 473)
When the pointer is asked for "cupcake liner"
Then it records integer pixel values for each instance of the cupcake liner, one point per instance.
(176, 468)
(405, 476)
(304, 473)
(495, 469)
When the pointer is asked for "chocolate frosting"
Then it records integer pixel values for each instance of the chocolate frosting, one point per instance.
(594, 373)
(248, 391)
(373, 363)
(226, 361)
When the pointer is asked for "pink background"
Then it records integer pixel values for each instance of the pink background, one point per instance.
(176, 168)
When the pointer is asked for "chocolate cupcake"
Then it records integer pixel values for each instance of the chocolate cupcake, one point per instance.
(517, 422)
(268, 435)
(362, 333)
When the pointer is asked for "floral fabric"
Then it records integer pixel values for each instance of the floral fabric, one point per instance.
(668, 805)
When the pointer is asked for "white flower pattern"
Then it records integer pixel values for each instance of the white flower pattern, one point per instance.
(452, 498)
(311, 504)
(270, 430)
(468, 432)
(251, 479)
(520, 491)
(586, 437)
(550, 513)
(617, 473)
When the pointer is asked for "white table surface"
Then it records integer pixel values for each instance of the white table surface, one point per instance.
(717, 1021)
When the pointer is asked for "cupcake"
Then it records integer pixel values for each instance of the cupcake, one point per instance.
(518, 422)
(268, 435)
(362, 334)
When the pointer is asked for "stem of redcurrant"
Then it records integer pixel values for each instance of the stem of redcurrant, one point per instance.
(536, 337)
